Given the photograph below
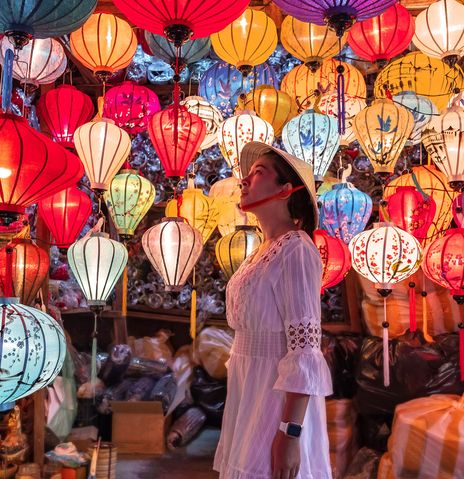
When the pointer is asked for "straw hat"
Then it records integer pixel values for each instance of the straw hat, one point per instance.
(253, 150)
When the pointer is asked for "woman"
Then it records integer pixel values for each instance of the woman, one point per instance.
(274, 424)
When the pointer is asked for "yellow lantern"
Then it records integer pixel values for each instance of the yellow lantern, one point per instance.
(104, 44)
(305, 86)
(382, 130)
(246, 42)
(233, 249)
(199, 210)
(310, 43)
(425, 76)
(440, 31)
(434, 183)
(274, 106)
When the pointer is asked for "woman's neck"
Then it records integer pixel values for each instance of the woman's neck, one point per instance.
(273, 230)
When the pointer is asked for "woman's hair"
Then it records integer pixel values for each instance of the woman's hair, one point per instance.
(300, 205)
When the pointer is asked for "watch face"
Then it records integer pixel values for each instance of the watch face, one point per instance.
(293, 430)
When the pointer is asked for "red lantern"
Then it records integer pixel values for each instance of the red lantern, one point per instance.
(383, 37)
(65, 213)
(411, 211)
(25, 265)
(336, 258)
(458, 210)
(176, 135)
(64, 109)
(131, 106)
(32, 166)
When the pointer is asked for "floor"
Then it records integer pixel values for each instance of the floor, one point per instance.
(194, 460)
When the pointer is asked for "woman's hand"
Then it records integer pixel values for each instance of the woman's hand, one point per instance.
(285, 456)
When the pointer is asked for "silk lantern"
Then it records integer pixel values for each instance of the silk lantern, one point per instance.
(176, 135)
(97, 262)
(382, 130)
(33, 349)
(65, 213)
(104, 44)
(380, 38)
(439, 31)
(102, 147)
(308, 42)
(129, 198)
(131, 106)
(314, 138)
(344, 211)
(64, 109)
(173, 247)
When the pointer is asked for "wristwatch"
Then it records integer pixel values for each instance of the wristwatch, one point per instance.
(291, 429)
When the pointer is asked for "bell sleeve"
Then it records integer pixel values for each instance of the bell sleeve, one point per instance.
(297, 292)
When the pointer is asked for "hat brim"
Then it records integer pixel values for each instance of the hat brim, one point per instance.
(255, 149)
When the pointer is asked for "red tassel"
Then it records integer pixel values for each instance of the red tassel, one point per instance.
(179, 204)
(8, 289)
(461, 349)
(412, 307)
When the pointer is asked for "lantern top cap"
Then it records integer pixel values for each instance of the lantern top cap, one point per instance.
(100, 234)
(172, 218)
(255, 149)
(5, 300)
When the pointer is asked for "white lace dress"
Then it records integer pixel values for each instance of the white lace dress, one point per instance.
(273, 304)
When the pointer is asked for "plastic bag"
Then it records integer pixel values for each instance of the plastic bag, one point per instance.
(186, 427)
(364, 465)
(114, 368)
(158, 347)
(165, 391)
(145, 367)
(212, 350)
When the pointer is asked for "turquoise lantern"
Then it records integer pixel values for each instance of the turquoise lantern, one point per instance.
(344, 211)
(314, 138)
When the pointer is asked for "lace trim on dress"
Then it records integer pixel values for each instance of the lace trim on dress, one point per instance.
(302, 335)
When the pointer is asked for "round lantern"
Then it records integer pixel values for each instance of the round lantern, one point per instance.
(130, 106)
(345, 211)
(64, 109)
(411, 211)
(234, 248)
(176, 135)
(104, 44)
(247, 41)
(424, 75)
(335, 256)
(40, 62)
(173, 248)
(23, 19)
(65, 213)
(274, 106)
(381, 38)
(422, 108)
(305, 86)
(97, 262)
(314, 138)
(458, 210)
(439, 31)
(102, 147)
(237, 131)
(35, 172)
(443, 138)
(210, 115)
(29, 268)
(308, 42)
(182, 19)
(382, 130)
(33, 349)
(129, 198)
(189, 52)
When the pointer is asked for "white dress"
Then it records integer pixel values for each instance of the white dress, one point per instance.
(273, 304)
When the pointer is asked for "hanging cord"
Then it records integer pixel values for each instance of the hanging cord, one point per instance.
(193, 308)
(93, 362)
(341, 94)
(386, 354)
(7, 80)
(425, 328)
(412, 307)
(461, 341)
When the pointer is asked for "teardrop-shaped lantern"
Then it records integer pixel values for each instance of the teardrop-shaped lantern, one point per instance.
(97, 262)
(173, 248)
(234, 248)
(382, 130)
(237, 131)
(30, 265)
(63, 110)
(102, 147)
(176, 135)
(33, 349)
(314, 138)
(129, 198)
(65, 213)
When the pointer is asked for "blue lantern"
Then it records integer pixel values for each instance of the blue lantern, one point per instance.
(314, 138)
(344, 211)
(32, 349)
(222, 84)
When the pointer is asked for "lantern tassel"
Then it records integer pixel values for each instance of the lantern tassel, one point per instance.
(425, 327)
(341, 99)
(386, 354)
(93, 362)
(412, 307)
(461, 349)
(8, 288)
(193, 308)
(7, 79)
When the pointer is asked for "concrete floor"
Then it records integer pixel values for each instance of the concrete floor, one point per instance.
(194, 461)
